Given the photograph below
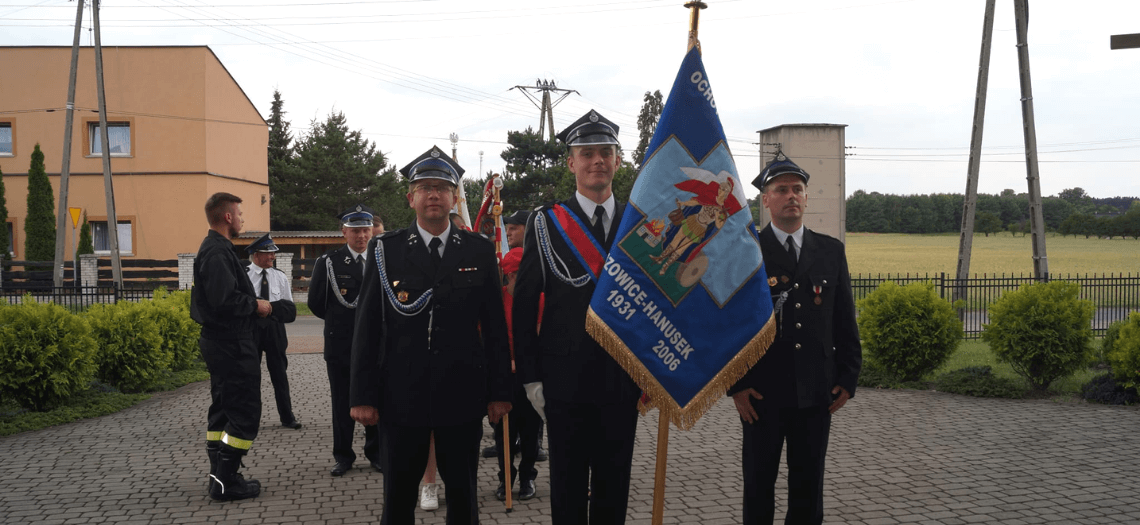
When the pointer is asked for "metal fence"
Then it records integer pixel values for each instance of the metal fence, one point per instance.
(74, 299)
(1115, 296)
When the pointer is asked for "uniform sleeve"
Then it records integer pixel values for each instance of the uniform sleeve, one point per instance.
(319, 288)
(284, 310)
(220, 289)
(496, 343)
(848, 350)
(525, 311)
(368, 336)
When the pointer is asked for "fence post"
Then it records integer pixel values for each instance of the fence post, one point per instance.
(285, 264)
(89, 272)
(186, 270)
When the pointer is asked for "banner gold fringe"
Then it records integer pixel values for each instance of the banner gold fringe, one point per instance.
(682, 417)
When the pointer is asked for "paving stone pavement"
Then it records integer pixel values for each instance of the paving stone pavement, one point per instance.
(896, 457)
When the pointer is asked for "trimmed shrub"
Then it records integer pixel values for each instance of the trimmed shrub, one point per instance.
(46, 354)
(908, 330)
(131, 356)
(1103, 389)
(170, 312)
(1124, 355)
(979, 381)
(1043, 330)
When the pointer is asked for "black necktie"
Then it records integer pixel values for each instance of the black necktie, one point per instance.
(264, 285)
(433, 250)
(599, 225)
(791, 246)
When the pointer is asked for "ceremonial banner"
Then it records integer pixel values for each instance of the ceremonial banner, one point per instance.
(682, 301)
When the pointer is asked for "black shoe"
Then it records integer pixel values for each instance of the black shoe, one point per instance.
(376, 465)
(542, 455)
(291, 424)
(340, 468)
(228, 484)
(501, 492)
(490, 452)
(526, 489)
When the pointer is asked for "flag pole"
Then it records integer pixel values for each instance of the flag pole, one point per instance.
(694, 8)
(497, 211)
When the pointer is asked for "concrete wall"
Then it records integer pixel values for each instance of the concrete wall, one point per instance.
(819, 150)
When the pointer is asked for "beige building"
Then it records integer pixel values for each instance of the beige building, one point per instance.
(180, 130)
(819, 150)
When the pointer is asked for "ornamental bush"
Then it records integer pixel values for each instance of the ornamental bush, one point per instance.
(131, 356)
(46, 354)
(1043, 330)
(1124, 355)
(170, 312)
(908, 330)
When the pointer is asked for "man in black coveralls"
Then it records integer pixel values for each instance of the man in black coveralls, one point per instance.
(223, 302)
(430, 355)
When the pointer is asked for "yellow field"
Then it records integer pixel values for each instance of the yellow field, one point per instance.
(894, 253)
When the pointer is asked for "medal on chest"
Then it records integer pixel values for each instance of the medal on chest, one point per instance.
(818, 290)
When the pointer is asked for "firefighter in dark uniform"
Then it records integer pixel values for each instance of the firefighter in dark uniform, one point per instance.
(588, 401)
(431, 353)
(333, 293)
(272, 284)
(811, 369)
(223, 302)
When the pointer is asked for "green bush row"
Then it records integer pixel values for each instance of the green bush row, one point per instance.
(1042, 330)
(48, 354)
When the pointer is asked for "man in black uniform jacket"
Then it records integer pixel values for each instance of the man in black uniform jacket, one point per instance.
(590, 403)
(810, 371)
(333, 293)
(271, 284)
(223, 302)
(430, 354)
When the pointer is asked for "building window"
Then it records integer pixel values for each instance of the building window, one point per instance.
(6, 149)
(118, 136)
(11, 239)
(103, 243)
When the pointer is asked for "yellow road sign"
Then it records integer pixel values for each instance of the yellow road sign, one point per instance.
(75, 213)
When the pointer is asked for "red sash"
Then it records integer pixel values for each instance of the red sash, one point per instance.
(581, 242)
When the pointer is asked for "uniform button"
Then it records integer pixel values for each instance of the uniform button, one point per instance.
(825, 281)
(796, 286)
(797, 306)
(797, 346)
(798, 325)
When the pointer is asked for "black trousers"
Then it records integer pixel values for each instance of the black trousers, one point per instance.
(235, 387)
(343, 424)
(405, 458)
(277, 363)
(525, 425)
(806, 432)
(591, 453)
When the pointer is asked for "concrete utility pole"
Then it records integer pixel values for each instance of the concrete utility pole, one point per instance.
(65, 169)
(966, 242)
(546, 107)
(108, 185)
(1036, 217)
(1124, 41)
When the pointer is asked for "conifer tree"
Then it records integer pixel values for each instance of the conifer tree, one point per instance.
(39, 227)
(5, 242)
(86, 245)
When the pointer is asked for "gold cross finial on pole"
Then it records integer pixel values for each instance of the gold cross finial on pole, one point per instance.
(694, 20)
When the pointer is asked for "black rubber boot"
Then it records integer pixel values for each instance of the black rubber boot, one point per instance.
(228, 484)
(212, 448)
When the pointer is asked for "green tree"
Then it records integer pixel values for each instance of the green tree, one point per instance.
(987, 223)
(39, 227)
(5, 242)
(536, 171)
(334, 168)
(281, 167)
(647, 124)
(86, 246)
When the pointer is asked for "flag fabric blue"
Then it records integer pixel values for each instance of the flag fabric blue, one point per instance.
(682, 301)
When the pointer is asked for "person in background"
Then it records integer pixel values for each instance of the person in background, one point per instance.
(272, 285)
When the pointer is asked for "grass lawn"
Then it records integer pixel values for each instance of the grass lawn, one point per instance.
(895, 253)
(977, 353)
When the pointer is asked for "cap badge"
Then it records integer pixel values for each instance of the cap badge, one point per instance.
(593, 117)
(435, 154)
(358, 208)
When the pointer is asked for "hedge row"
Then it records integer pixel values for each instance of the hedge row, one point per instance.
(47, 353)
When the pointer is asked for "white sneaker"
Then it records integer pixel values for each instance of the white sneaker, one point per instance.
(429, 496)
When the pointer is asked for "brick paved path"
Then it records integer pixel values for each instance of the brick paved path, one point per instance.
(895, 457)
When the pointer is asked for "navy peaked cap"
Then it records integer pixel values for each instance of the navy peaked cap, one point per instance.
(263, 244)
(433, 164)
(591, 129)
(359, 216)
(780, 165)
